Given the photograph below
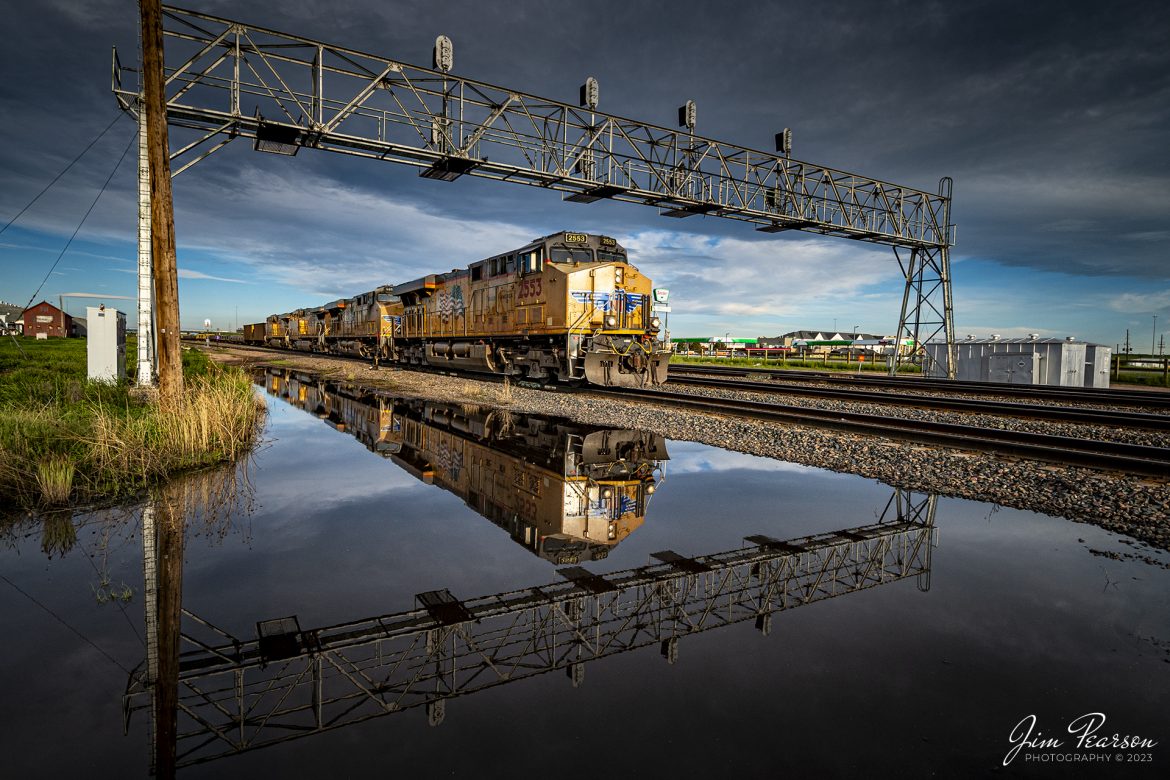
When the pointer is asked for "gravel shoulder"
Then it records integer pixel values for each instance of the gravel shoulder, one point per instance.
(1134, 506)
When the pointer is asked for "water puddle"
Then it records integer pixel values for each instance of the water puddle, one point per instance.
(455, 589)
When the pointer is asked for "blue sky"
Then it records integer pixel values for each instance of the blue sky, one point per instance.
(1051, 118)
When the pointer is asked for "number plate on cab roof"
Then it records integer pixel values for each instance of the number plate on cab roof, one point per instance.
(576, 238)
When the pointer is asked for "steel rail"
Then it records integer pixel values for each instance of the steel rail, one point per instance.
(1064, 450)
(1097, 395)
(1113, 419)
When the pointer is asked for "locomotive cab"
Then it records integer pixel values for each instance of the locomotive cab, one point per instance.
(613, 336)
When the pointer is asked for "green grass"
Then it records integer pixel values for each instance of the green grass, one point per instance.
(64, 439)
(1146, 379)
(831, 365)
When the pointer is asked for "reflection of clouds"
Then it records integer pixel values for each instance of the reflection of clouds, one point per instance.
(309, 468)
(690, 457)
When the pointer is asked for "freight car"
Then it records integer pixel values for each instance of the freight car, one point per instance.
(567, 307)
(568, 493)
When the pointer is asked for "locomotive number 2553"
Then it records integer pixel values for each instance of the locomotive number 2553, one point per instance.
(530, 288)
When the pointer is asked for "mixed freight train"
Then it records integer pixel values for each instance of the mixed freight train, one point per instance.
(566, 307)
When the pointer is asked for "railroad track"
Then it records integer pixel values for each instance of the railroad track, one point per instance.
(1106, 455)
(1063, 450)
(1087, 395)
(1114, 419)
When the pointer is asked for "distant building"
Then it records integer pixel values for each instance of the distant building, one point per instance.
(47, 319)
(802, 342)
(824, 341)
(9, 318)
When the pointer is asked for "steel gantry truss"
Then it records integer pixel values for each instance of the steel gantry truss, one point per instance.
(237, 695)
(227, 79)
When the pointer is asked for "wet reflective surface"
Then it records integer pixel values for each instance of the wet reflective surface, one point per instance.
(428, 589)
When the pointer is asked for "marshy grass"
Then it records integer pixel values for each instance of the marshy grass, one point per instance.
(63, 438)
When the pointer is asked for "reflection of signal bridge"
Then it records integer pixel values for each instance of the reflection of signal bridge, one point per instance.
(289, 683)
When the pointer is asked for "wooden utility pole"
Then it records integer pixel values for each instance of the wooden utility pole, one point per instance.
(162, 217)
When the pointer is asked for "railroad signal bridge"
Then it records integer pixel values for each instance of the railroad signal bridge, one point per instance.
(226, 80)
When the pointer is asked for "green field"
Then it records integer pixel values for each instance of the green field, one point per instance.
(834, 364)
(64, 439)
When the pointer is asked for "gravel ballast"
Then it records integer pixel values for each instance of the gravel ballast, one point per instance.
(1127, 504)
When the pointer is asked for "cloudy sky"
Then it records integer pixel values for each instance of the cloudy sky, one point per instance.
(1052, 118)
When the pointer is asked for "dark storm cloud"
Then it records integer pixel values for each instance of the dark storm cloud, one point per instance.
(1051, 117)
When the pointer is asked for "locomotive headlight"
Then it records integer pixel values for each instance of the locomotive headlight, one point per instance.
(618, 273)
(607, 493)
(655, 323)
(650, 488)
(610, 321)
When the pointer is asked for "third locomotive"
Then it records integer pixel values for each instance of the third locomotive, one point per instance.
(566, 307)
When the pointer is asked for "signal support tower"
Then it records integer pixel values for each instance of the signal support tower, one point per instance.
(226, 79)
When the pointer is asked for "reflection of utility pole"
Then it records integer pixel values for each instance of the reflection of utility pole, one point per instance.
(162, 565)
(162, 218)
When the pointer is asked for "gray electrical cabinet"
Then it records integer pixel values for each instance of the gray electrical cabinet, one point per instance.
(1061, 362)
(106, 344)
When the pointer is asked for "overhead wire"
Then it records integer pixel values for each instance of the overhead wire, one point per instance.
(80, 224)
(61, 620)
(63, 172)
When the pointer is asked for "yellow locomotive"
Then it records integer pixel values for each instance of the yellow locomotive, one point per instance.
(565, 307)
(568, 493)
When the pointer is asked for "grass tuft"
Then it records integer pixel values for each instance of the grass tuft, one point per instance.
(55, 479)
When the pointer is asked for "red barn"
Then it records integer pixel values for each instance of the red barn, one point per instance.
(48, 319)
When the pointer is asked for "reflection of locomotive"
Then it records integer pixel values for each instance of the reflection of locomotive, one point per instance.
(567, 492)
(565, 307)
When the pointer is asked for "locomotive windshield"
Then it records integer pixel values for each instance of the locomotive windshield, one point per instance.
(579, 254)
